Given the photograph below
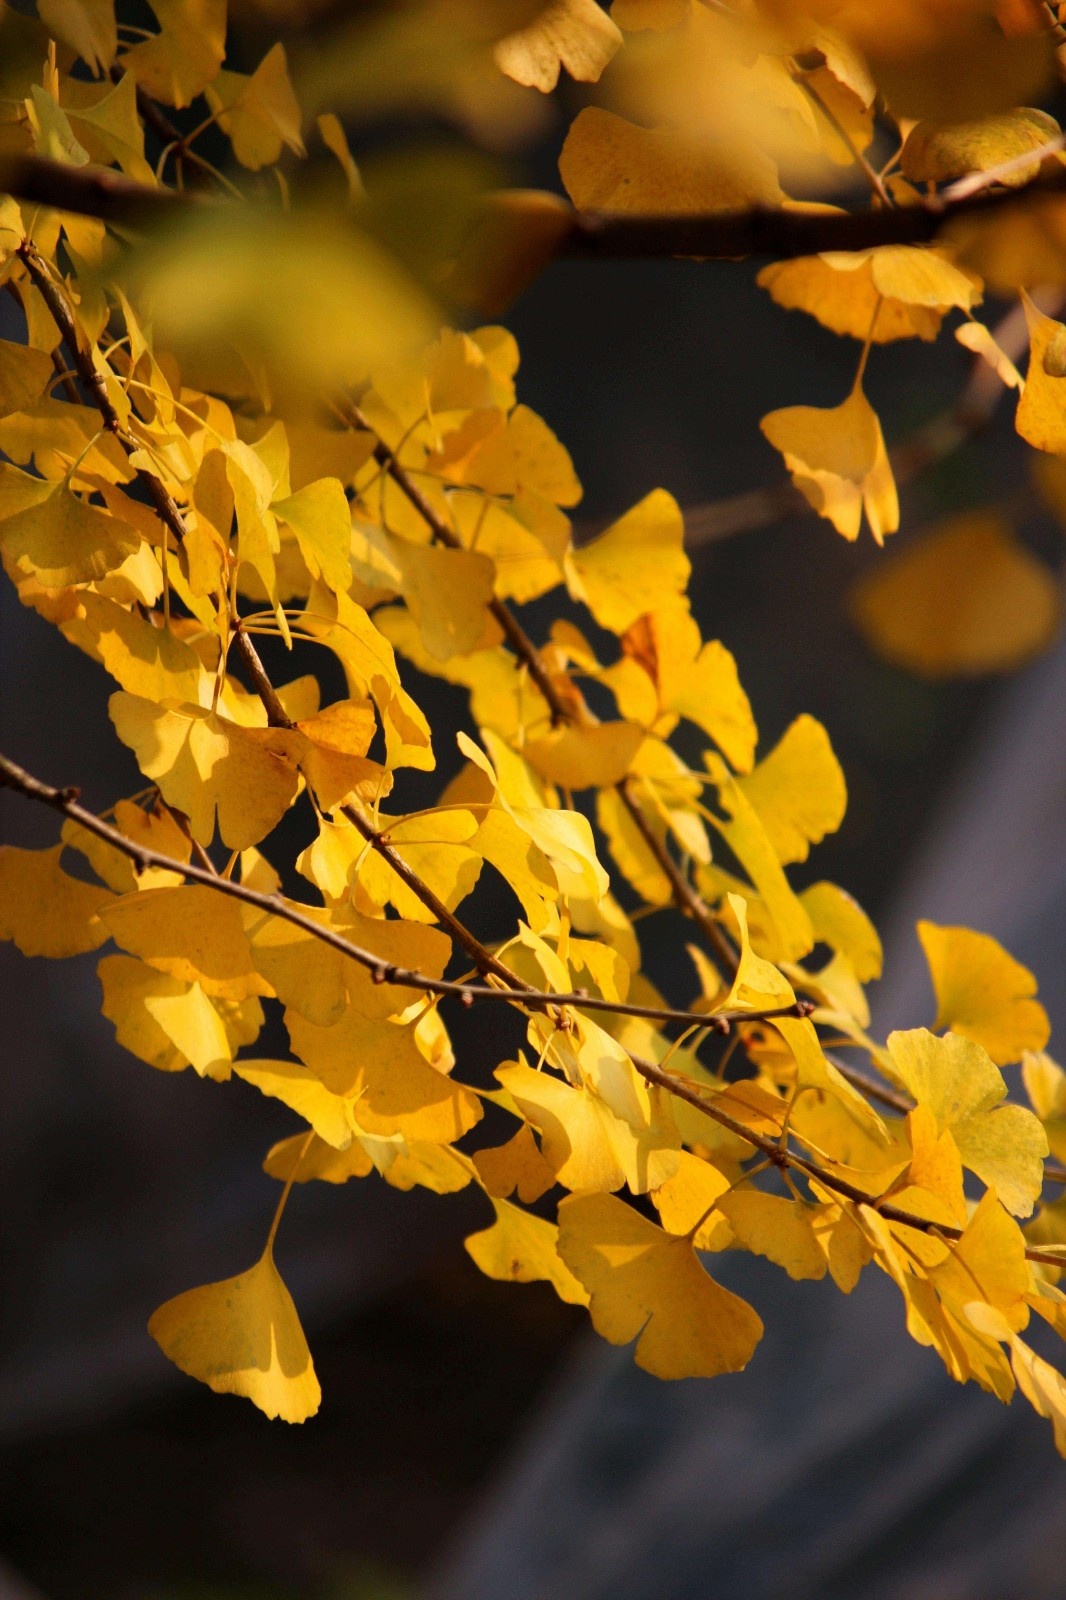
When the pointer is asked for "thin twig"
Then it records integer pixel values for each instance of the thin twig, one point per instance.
(65, 800)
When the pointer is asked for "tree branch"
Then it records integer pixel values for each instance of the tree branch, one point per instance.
(66, 801)
(769, 232)
(685, 1089)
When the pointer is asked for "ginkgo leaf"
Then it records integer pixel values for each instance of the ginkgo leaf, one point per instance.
(840, 922)
(191, 933)
(798, 790)
(525, 456)
(609, 164)
(960, 1084)
(378, 1066)
(87, 26)
(46, 911)
(331, 753)
(447, 592)
(162, 1034)
(260, 114)
(24, 376)
(1040, 418)
(1042, 1385)
(694, 680)
(648, 1285)
(516, 1166)
(180, 61)
(968, 599)
(243, 1336)
(1045, 1085)
(153, 830)
(46, 529)
(520, 1248)
(839, 463)
(750, 842)
(330, 1115)
(688, 1203)
(938, 152)
(320, 517)
(637, 565)
(575, 34)
(584, 1142)
(780, 1229)
(579, 757)
(202, 763)
(983, 993)
(893, 292)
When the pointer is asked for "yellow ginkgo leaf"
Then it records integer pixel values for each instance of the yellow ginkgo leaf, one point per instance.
(203, 762)
(798, 790)
(320, 517)
(894, 292)
(609, 164)
(584, 1142)
(961, 1085)
(638, 565)
(757, 984)
(937, 152)
(983, 993)
(379, 1067)
(689, 1201)
(648, 1285)
(575, 34)
(1041, 415)
(47, 530)
(842, 924)
(1045, 1084)
(191, 933)
(330, 1115)
(743, 831)
(135, 997)
(694, 680)
(260, 114)
(24, 376)
(524, 456)
(331, 753)
(192, 1023)
(303, 1160)
(988, 1260)
(516, 1166)
(968, 599)
(176, 64)
(780, 1229)
(839, 463)
(87, 26)
(578, 757)
(154, 830)
(447, 592)
(520, 1248)
(46, 911)
(243, 1336)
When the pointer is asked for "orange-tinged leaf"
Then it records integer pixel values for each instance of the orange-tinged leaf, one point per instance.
(689, 1201)
(1041, 416)
(579, 757)
(176, 64)
(332, 1116)
(983, 993)
(516, 1166)
(609, 164)
(243, 1336)
(520, 1248)
(648, 1285)
(839, 463)
(937, 152)
(24, 376)
(575, 34)
(160, 1033)
(46, 911)
(897, 291)
(968, 599)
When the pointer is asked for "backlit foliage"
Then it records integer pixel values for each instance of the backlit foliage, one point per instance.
(248, 409)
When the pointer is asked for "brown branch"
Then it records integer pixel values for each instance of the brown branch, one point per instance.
(66, 801)
(685, 1089)
(770, 232)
